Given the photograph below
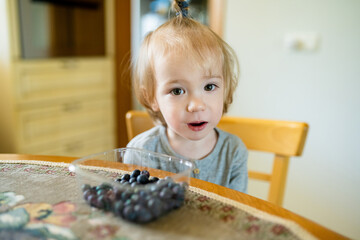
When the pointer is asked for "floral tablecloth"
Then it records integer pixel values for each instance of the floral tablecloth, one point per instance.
(41, 200)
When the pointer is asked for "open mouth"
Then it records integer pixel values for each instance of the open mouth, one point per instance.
(197, 126)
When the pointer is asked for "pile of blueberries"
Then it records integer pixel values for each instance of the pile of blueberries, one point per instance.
(132, 201)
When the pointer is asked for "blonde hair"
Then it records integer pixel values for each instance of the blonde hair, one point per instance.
(183, 35)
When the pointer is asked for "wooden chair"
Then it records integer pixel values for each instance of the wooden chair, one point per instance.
(284, 139)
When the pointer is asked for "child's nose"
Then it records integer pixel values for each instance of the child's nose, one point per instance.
(196, 104)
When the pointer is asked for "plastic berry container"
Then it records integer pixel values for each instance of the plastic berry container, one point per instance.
(134, 184)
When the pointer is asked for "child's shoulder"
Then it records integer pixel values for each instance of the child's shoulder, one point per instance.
(229, 138)
(148, 138)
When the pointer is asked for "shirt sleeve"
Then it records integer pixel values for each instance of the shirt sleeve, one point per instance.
(148, 140)
(239, 171)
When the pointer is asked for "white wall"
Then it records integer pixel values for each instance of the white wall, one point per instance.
(319, 87)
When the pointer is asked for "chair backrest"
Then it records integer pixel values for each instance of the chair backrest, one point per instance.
(282, 138)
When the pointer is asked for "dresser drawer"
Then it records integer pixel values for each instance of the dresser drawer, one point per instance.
(59, 121)
(78, 146)
(38, 82)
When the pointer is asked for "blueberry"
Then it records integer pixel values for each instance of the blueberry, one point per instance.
(133, 185)
(133, 179)
(129, 213)
(178, 203)
(153, 179)
(118, 207)
(135, 198)
(101, 191)
(154, 194)
(128, 202)
(145, 172)
(154, 188)
(125, 183)
(105, 186)
(184, 185)
(92, 200)
(125, 195)
(136, 190)
(155, 206)
(171, 184)
(88, 193)
(166, 193)
(161, 182)
(143, 214)
(168, 205)
(135, 173)
(117, 191)
(103, 202)
(85, 187)
(126, 177)
(110, 195)
(137, 204)
(142, 179)
(178, 190)
(143, 194)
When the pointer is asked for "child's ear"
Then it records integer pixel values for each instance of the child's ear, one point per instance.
(152, 103)
(155, 106)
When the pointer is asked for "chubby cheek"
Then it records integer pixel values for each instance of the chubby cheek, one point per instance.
(172, 121)
(216, 103)
(217, 114)
(171, 113)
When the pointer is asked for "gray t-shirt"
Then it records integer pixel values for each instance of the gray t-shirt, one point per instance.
(226, 165)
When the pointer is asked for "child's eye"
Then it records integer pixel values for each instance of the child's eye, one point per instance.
(210, 87)
(177, 91)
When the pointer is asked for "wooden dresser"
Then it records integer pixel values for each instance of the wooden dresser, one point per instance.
(58, 106)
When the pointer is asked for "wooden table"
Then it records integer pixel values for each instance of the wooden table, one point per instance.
(312, 227)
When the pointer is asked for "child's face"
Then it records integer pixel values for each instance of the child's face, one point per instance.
(189, 98)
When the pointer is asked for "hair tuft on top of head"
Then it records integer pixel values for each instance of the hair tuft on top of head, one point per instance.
(181, 8)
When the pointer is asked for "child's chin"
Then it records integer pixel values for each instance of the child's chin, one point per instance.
(196, 136)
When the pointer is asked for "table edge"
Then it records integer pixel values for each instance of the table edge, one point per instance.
(312, 227)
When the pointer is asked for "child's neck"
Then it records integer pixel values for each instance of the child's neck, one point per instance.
(193, 149)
